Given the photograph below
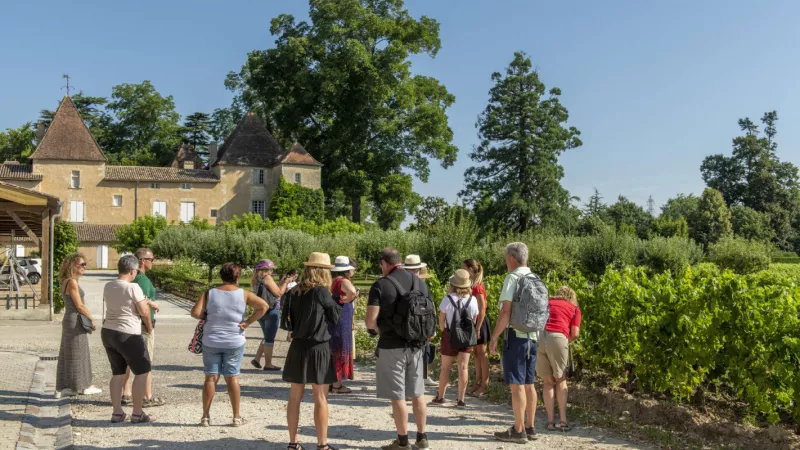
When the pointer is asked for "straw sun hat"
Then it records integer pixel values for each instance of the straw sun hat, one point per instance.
(322, 260)
(461, 279)
(424, 274)
(414, 262)
(342, 264)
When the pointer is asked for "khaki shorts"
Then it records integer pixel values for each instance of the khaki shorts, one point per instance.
(553, 355)
(398, 373)
(149, 342)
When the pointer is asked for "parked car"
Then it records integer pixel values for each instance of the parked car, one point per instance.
(31, 267)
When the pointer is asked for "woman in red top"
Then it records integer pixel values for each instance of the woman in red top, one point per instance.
(552, 358)
(484, 329)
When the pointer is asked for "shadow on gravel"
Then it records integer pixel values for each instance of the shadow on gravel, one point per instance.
(106, 423)
(228, 443)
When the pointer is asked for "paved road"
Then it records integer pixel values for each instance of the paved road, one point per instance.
(358, 421)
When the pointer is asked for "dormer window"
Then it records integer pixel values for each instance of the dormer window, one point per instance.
(75, 182)
(188, 164)
(297, 178)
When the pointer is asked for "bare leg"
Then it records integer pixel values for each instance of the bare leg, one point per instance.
(321, 412)
(400, 412)
(548, 397)
(420, 413)
(139, 385)
(561, 395)
(268, 356)
(530, 404)
(259, 352)
(444, 375)
(115, 389)
(483, 362)
(148, 390)
(293, 409)
(463, 374)
(234, 393)
(209, 387)
(126, 390)
(518, 404)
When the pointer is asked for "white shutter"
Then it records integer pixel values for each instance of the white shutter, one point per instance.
(187, 212)
(183, 212)
(76, 211)
(191, 211)
(20, 251)
(80, 208)
(104, 259)
(160, 209)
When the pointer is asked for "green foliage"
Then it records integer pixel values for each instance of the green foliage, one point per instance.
(516, 178)
(342, 85)
(590, 225)
(372, 241)
(254, 222)
(17, 144)
(196, 129)
(200, 224)
(548, 253)
(609, 248)
(629, 218)
(294, 200)
(430, 210)
(740, 255)
(666, 226)
(65, 243)
(446, 245)
(661, 254)
(139, 233)
(751, 224)
(712, 220)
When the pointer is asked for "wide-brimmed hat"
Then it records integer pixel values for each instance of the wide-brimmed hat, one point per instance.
(424, 274)
(317, 259)
(342, 264)
(265, 264)
(414, 262)
(461, 279)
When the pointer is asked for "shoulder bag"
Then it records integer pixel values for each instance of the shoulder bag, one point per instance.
(196, 344)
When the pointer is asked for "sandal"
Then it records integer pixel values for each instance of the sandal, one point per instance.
(551, 426)
(205, 422)
(272, 368)
(118, 418)
(326, 447)
(340, 390)
(295, 446)
(127, 400)
(256, 364)
(563, 427)
(153, 402)
(239, 421)
(141, 418)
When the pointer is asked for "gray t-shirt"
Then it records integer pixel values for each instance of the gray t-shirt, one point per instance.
(120, 299)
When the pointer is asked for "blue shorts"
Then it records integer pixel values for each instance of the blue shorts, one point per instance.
(222, 361)
(519, 359)
(269, 325)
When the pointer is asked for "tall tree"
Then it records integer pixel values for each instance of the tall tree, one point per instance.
(624, 214)
(430, 211)
(712, 220)
(522, 133)
(595, 205)
(16, 144)
(196, 130)
(342, 85)
(146, 130)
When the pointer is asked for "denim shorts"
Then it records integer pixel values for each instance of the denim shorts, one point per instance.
(519, 359)
(222, 361)
(269, 325)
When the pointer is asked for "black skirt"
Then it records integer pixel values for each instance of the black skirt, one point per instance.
(485, 333)
(309, 363)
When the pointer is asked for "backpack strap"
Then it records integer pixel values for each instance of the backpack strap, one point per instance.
(397, 286)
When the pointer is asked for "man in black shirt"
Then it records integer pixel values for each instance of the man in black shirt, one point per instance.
(399, 370)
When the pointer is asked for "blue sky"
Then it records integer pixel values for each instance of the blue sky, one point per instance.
(653, 87)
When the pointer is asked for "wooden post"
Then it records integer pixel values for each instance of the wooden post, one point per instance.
(44, 251)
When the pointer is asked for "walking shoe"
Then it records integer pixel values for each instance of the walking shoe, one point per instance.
(395, 445)
(461, 404)
(91, 390)
(531, 432)
(438, 400)
(430, 383)
(512, 435)
(153, 402)
(422, 443)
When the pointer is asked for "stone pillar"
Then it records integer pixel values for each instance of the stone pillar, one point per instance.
(44, 249)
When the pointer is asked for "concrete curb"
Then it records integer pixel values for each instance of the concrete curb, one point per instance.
(44, 412)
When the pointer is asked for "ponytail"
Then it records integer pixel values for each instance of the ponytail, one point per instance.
(475, 271)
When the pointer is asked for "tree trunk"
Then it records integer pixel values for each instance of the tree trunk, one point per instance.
(210, 273)
(356, 209)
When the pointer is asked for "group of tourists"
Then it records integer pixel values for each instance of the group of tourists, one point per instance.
(317, 309)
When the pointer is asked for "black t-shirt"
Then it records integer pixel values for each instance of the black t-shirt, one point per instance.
(311, 313)
(384, 294)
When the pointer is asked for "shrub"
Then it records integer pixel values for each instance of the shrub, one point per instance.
(447, 244)
(373, 241)
(292, 200)
(175, 242)
(609, 248)
(65, 243)
(661, 254)
(139, 233)
(550, 253)
(670, 227)
(740, 255)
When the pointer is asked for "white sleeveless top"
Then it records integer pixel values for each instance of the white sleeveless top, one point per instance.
(226, 310)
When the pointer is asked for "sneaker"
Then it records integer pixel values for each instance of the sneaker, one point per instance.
(91, 390)
(512, 435)
(68, 393)
(531, 432)
(422, 444)
(395, 445)
(461, 404)
(430, 383)
(438, 400)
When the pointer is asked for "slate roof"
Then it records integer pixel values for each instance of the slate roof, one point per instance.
(88, 232)
(12, 170)
(187, 153)
(159, 174)
(250, 144)
(298, 155)
(67, 137)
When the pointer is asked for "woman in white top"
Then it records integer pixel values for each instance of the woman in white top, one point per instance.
(460, 298)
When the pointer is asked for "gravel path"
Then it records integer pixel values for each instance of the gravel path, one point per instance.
(357, 421)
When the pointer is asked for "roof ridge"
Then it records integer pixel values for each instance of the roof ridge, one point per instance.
(44, 147)
(250, 144)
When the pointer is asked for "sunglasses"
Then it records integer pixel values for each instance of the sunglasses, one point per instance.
(83, 264)
(147, 259)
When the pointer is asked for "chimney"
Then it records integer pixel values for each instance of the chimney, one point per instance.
(212, 153)
(40, 130)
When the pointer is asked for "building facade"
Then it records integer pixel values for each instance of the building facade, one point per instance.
(97, 197)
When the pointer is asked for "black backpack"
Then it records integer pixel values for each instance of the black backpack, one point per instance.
(414, 317)
(461, 326)
(264, 293)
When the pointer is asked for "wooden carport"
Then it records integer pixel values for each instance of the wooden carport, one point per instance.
(25, 212)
